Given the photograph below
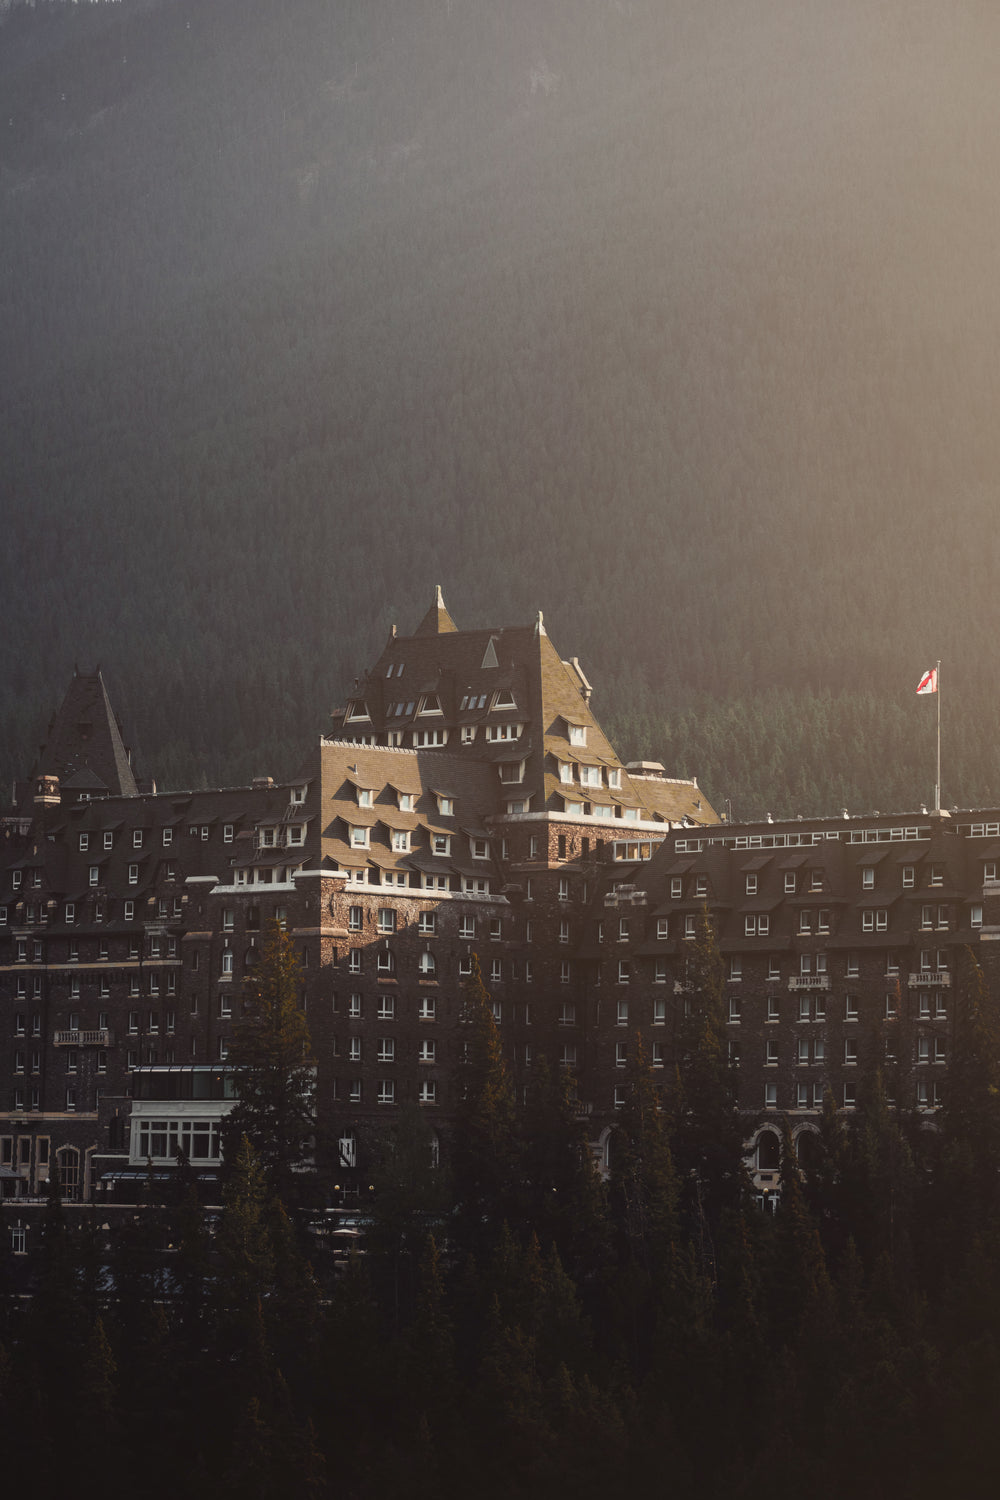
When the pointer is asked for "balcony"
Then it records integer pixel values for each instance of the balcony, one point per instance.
(930, 979)
(809, 982)
(99, 1038)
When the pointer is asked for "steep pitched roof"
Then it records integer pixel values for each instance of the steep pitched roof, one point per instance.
(437, 620)
(84, 744)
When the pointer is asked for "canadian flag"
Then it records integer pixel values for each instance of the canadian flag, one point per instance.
(928, 683)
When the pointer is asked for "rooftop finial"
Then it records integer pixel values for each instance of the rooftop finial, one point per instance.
(540, 624)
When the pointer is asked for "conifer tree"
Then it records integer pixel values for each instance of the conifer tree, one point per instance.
(485, 1155)
(274, 1071)
(562, 1198)
(707, 1135)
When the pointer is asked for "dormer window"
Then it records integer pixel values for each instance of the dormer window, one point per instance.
(441, 843)
(400, 840)
(364, 796)
(359, 837)
(590, 775)
(504, 699)
(614, 778)
(577, 734)
(358, 710)
(298, 795)
(267, 838)
(431, 704)
(480, 848)
(502, 733)
(446, 806)
(511, 771)
(84, 842)
(405, 800)
(566, 771)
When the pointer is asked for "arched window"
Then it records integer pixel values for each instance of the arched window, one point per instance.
(68, 1162)
(807, 1149)
(768, 1151)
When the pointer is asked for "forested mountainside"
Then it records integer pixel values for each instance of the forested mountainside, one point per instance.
(674, 318)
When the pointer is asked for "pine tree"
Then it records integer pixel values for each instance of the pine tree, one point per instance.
(274, 1071)
(562, 1197)
(485, 1154)
(707, 1137)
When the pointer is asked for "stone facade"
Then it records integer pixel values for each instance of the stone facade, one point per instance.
(467, 803)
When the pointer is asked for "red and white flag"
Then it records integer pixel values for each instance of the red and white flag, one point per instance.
(928, 683)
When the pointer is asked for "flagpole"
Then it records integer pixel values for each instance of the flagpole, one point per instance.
(937, 788)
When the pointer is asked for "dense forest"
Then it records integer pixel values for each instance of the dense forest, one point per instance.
(512, 1326)
(674, 318)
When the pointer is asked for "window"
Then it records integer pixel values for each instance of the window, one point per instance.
(908, 877)
(790, 883)
(622, 1015)
(387, 1050)
(771, 1052)
(386, 1007)
(751, 885)
(773, 1008)
(624, 971)
(976, 916)
(868, 878)
(621, 1054)
(428, 1092)
(386, 919)
(137, 838)
(851, 966)
(129, 911)
(770, 1096)
(676, 887)
(802, 1096)
(426, 1008)
(354, 1091)
(133, 874)
(427, 1052)
(354, 961)
(95, 874)
(849, 1095)
(227, 833)
(662, 928)
(577, 734)
(735, 970)
(84, 842)
(386, 963)
(802, 1050)
(427, 966)
(774, 968)
(109, 840)
(804, 1010)
(427, 924)
(441, 843)
(823, 920)
(805, 920)
(936, 875)
(359, 837)
(851, 1011)
(850, 1051)
(734, 1007)
(690, 927)
(496, 970)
